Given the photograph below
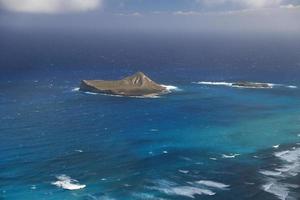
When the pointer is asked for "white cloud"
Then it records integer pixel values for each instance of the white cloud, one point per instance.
(50, 6)
(134, 14)
(246, 4)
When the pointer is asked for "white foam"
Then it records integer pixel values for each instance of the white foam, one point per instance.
(202, 187)
(290, 167)
(187, 191)
(279, 190)
(214, 83)
(289, 156)
(66, 182)
(292, 86)
(213, 184)
(183, 171)
(270, 173)
(92, 93)
(171, 87)
(276, 146)
(75, 89)
(230, 156)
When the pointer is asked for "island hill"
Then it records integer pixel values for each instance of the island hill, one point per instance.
(136, 85)
(248, 84)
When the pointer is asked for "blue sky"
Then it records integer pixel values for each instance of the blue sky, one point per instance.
(158, 15)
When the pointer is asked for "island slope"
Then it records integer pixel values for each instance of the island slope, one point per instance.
(136, 85)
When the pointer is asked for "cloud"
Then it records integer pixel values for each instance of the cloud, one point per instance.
(245, 4)
(49, 6)
(134, 14)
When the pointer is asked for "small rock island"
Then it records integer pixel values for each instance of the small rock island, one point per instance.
(136, 85)
(247, 84)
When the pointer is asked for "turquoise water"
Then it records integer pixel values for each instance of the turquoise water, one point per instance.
(200, 141)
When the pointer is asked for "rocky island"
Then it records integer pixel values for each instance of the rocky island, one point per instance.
(136, 85)
(247, 84)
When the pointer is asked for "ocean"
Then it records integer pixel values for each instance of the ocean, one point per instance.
(204, 140)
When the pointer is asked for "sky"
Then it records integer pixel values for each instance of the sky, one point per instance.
(220, 16)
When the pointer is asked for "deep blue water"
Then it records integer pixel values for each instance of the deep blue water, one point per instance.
(201, 142)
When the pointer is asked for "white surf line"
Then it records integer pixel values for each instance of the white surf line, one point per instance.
(171, 87)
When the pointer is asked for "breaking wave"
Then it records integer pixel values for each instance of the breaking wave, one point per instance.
(65, 182)
(169, 88)
(276, 179)
(202, 187)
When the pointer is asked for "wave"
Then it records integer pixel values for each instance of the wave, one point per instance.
(187, 191)
(276, 178)
(233, 84)
(183, 171)
(230, 156)
(213, 184)
(171, 88)
(214, 83)
(75, 89)
(202, 187)
(65, 182)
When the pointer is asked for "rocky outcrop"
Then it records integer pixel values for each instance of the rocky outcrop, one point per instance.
(136, 85)
(246, 84)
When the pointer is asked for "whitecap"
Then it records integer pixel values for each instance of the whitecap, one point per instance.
(279, 190)
(183, 171)
(202, 187)
(276, 146)
(230, 156)
(187, 191)
(212, 184)
(75, 89)
(292, 86)
(270, 173)
(33, 187)
(213, 158)
(65, 182)
(276, 180)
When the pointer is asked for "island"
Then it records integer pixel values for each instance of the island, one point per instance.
(136, 85)
(247, 84)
